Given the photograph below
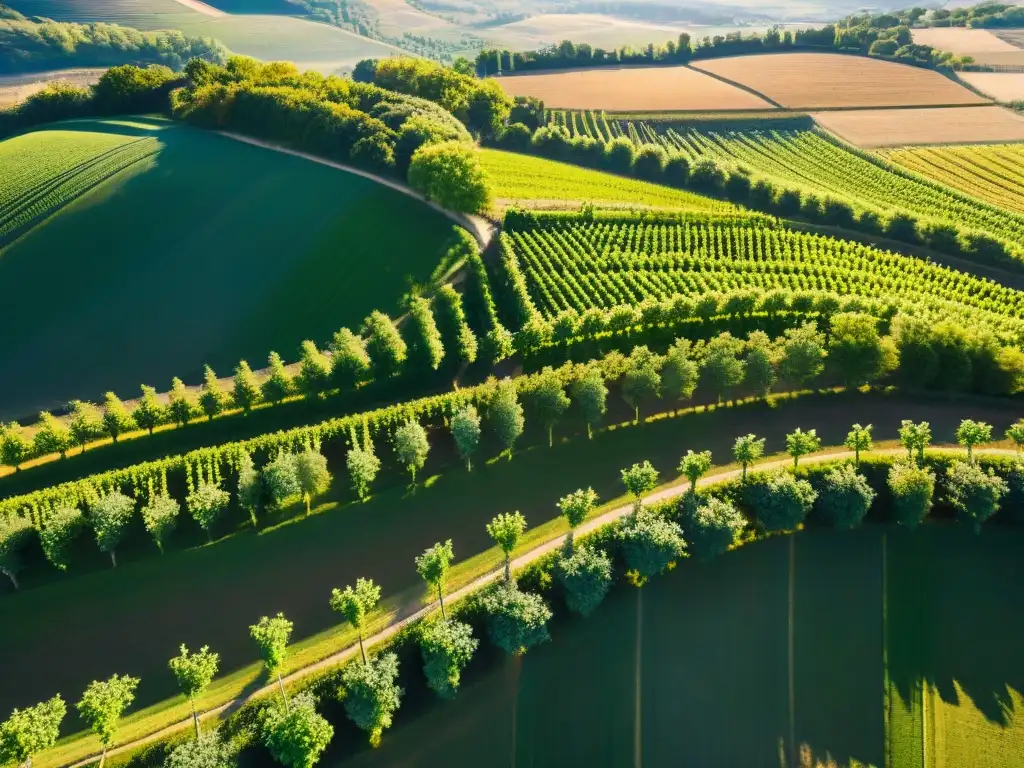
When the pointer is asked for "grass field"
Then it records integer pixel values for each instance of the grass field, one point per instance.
(823, 80)
(899, 128)
(632, 89)
(292, 567)
(202, 250)
(993, 173)
(539, 182)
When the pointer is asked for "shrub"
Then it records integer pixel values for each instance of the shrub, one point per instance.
(707, 177)
(447, 647)
(710, 526)
(677, 170)
(586, 575)
(371, 694)
(912, 489)
(620, 155)
(845, 497)
(974, 493)
(650, 162)
(780, 501)
(295, 733)
(515, 137)
(450, 174)
(516, 620)
(649, 544)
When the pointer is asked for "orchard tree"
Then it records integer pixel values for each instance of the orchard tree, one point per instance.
(206, 504)
(312, 475)
(781, 501)
(759, 371)
(640, 479)
(641, 382)
(803, 354)
(160, 516)
(723, 370)
(505, 415)
(1015, 433)
(384, 346)
(858, 440)
(212, 399)
(845, 497)
(506, 529)
(679, 374)
(363, 467)
(693, 466)
(371, 694)
(971, 433)
(433, 566)
(516, 620)
(110, 516)
(15, 533)
(447, 647)
(149, 413)
(711, 527)
(412, 447)
(314, 370)
(59, 532)
(250, 487)
(915, 438)
(272, 635)
(14, 446)
(116, 419)
(296, 734)
(103, 704)
(546, 395)
(246, 391)
(456, 335)
(29, 731)
(747, 450)
(574, 508)
(350, 364)
(855, 348)
(279, 383)
(85, 423)
(194, 673)
(591, 394)
(800, 443)
(181, 408)
(974, 493)
(52, 436)
(649, 544)
(913, 488)
(466, 432)
(423, 339)
(586, 575)
(355, 604)
(281, 478)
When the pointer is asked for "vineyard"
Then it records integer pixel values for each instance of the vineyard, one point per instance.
(575, 264)
(815, 163)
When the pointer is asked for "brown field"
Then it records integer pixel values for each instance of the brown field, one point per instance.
(907, 127)
(647, 89)
(14, 89)
(825, 81)
(962, 41)
(1001, 86)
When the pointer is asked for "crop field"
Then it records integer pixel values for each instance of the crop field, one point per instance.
(822, 81)
(14, 89)
(900, 128)
(216, 250)
(572, 264)
(632, 89)
(541, 183)
(1001, 86)
(962, 41)
(994, 173)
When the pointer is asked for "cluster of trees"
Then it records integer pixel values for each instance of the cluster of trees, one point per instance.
(35, 45)
(983, 15)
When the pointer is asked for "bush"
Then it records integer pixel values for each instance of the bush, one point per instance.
(845, 497)
(780, 501)
(516, 620)
(737, 187)
(515, 137)
(447, 647)
(650, 162)
(620, 155)
(912, 490)
(450, 174)
(710, 526)
(707, 177)
(677, 170)
(649, 544)
(974, 493)
(586, 575)
(371, 695)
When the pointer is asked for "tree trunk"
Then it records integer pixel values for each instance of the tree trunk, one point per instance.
(103, 756)
(440, 597)
(508, 568)
(590, 432)
(469, 464)
(856, 457)
(113, 558)
(309, 501)
(151, 430)
(569, 542)
(361, 649)
(13, 578)
(195, 718)
(83, 451)
(743, 477)
(551, 436)
(970, 454)
(284, 696)
(636, 414)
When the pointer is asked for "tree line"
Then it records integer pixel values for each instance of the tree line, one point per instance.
(700, 523)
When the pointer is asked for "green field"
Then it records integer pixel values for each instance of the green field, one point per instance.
(535, 180)
(198, 249)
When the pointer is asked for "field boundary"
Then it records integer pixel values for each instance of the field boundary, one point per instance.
(740, 86)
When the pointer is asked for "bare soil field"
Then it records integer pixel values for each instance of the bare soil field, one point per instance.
(594, 28)
(827, 81)
(908, 127)
(633, 89)
(14, 89)
(1001, 86)
(962, 41)
(201, 7)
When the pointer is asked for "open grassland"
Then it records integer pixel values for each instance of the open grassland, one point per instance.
(900, 128)
(824, 80)
(14, 89)
(597, 29)
(993, 173)
(633, 89)
(538, 182)
(1001, 86)
(203, 250)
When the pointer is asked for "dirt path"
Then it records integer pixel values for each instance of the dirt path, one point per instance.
(203, 8)
(409, 614)
(479, 227)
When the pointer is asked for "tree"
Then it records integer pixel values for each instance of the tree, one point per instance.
(206, 504)
(423, 339)
(466, 432)
(207, 751)
(747, 450)
(574, 508)
(971, 433)
(212, 399)
(447, 647)
(456, 336)
(250, 487)
(312, 475)
(506, 529)
(29, 731)
(803, 354)
(591, 394)
(272, 635)
(800, 443)
(450, 174)
(781, 501)
(350, 365)
(14, 446)
(181, 409)
(845, 497)
(759, 372)
(505, 415)
(693, 466)
(711, 526)
(279, 383)
(858, 439)
(15, 532)
(110, 516)
(912, 490)
(296, 734)
(641, 381)
(547, 397)
(649, 544)
(516, 620)
(102, 705)
(363, 467)
(246, 392)
(586, 575)
(52, 436)
(59, 532)
(974, 493)
(1015, 433)
(855, 348)
(723, 370)
(160, 516)
(372, 695)
(640, 479)
(412, 447)
(314, 370)
(194, 673)
(433, 566)
(385, 347)
(355, 604)
(85, 423)
(149, 413)
(915, 438)
(678, 374)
